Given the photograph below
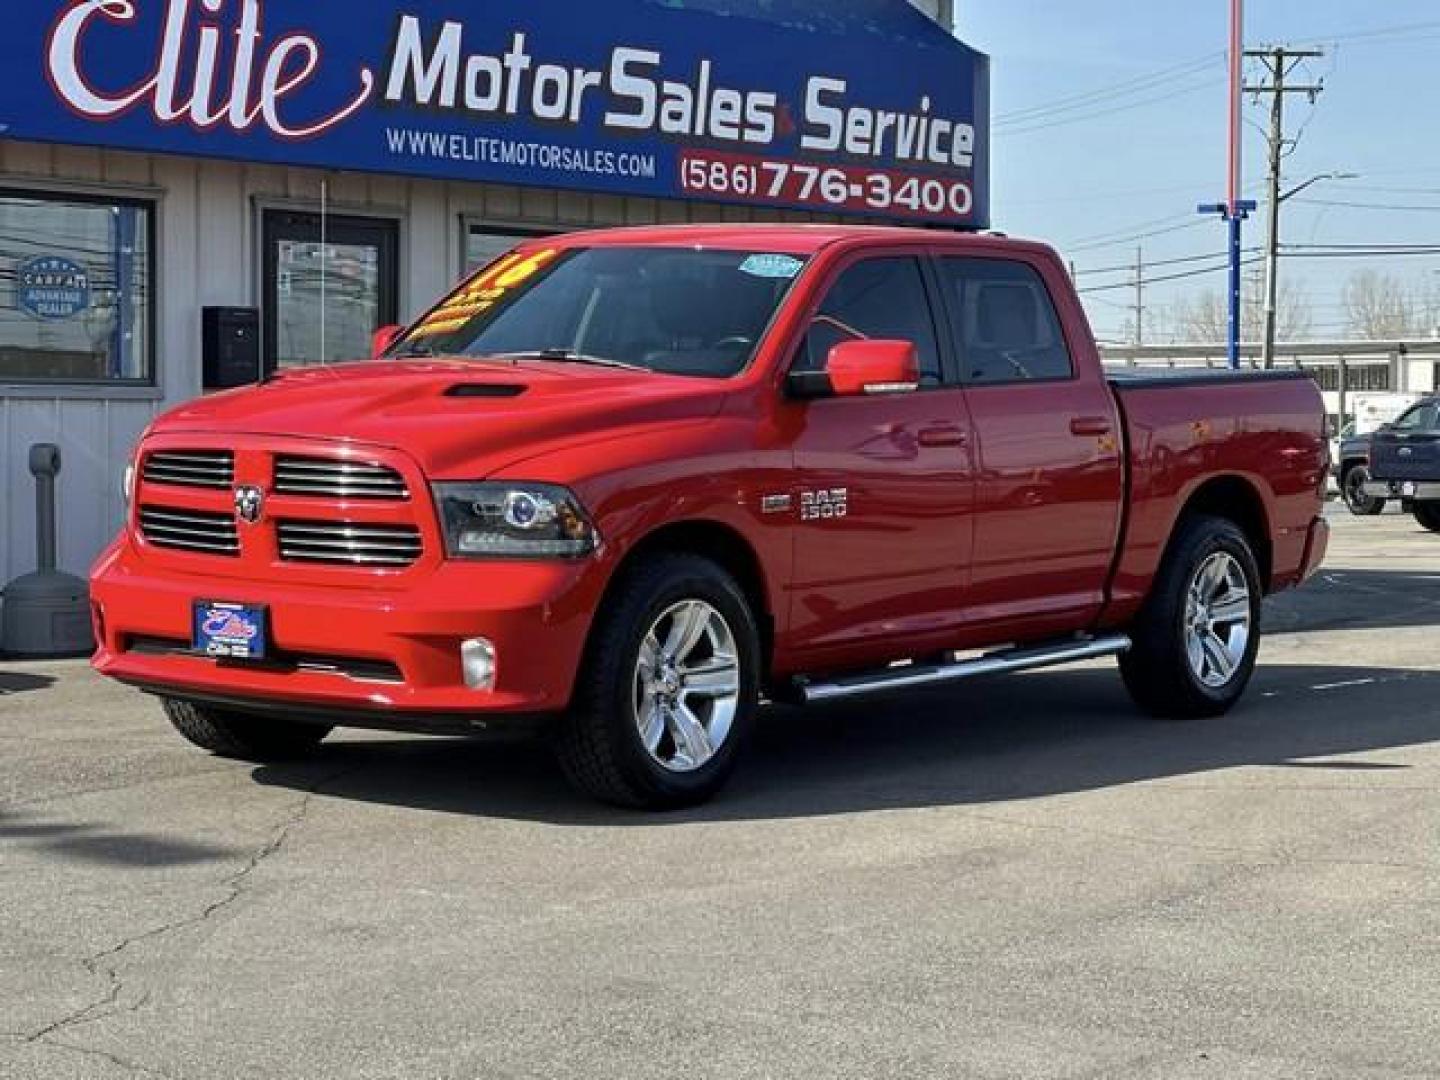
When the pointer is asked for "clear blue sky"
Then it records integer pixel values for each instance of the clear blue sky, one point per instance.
(1091, 174)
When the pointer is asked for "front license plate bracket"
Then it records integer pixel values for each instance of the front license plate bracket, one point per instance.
(229, 631)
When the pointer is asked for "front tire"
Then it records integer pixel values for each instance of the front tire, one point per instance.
(1428, 515)
(1352, 488)
(244, 737)
(1196, 639)
(669, 688)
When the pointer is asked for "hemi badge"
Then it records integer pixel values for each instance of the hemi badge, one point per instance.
(776, 504)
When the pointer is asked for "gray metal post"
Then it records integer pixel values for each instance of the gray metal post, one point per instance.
(1343, 367)
(45, 466)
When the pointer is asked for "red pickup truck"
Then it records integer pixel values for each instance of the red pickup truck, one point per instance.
(633, 482)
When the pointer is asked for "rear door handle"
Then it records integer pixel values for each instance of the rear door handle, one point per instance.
(1090, 425)
(944, 435)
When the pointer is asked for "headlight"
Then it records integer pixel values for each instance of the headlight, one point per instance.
(513, 521)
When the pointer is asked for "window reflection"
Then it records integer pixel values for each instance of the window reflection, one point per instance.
(75, 289)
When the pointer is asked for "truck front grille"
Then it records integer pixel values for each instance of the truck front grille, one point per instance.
(190, 530)
(344, 543)
(331, 478)
(190, 468)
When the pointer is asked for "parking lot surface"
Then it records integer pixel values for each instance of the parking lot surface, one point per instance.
(1011, 878)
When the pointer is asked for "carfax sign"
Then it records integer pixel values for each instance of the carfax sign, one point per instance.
(870, 109)
(52, 287)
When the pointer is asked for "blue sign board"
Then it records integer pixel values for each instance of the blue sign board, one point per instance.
(865, 107)
(52, 287)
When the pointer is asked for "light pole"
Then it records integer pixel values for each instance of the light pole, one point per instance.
(1272, 258)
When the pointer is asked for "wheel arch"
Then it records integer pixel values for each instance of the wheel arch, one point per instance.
(722, 544)
(1239, 501)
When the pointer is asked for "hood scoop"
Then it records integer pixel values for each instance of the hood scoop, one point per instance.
(486, 390)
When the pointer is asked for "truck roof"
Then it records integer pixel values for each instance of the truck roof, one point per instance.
(791, 239)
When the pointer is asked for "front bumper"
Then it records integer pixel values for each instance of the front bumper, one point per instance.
(390, 654)
(1423, 490)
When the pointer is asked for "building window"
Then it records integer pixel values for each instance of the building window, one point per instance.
(484, 243)
(1362, 377)
(77, 301)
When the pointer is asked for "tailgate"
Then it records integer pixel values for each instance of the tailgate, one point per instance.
(1405, 455)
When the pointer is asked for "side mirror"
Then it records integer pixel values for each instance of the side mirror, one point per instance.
(382, 340)
(873, 367)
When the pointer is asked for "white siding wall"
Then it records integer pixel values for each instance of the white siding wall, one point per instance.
(208, 254)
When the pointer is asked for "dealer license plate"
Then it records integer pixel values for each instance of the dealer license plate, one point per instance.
(231, 631)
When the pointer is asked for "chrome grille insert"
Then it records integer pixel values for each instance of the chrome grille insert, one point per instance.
(190, 530)
(190, 468)
(349, 544)
(331, 478)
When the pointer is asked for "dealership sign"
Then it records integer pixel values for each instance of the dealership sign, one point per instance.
(877, 113)
(52, 287)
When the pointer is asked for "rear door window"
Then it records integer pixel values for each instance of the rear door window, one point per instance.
(1004, 322)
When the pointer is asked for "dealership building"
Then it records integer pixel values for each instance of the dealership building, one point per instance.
(194, 193)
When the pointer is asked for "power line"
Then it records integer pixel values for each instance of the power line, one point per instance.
(1115, 240)
(1169, 277)
(1112, 110)
(1121, 89)
(1403, 30)
(1129, 267)
(1433, 208)
(1379, 248)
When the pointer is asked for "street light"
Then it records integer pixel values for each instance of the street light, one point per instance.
(1272, 258)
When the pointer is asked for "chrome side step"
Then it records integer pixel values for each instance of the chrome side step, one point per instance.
(995, 663)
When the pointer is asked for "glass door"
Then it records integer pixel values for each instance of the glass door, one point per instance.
(327, 292)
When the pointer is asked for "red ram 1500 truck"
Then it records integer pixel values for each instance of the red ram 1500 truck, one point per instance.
(631, 481)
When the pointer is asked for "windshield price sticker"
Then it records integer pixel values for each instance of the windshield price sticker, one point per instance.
(485, 291)
(826, 187)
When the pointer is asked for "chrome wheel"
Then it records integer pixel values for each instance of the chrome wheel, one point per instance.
(1217, 620)
(687, 686)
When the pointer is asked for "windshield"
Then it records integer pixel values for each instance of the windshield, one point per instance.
(680, 311)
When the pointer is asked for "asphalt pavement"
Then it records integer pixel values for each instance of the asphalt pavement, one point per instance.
(1012, 878)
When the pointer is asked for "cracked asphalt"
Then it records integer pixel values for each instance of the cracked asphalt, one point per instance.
(1014, 878)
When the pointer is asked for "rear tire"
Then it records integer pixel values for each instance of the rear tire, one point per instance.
(1196, 638)
(1428, 515)
(661, 711)
(242, 736)
(1352, 489)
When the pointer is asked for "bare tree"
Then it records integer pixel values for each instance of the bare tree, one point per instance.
(1206, 316)
(1380, 307)
(1429, 308)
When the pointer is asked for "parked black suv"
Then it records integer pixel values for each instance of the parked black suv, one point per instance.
(1405, 462)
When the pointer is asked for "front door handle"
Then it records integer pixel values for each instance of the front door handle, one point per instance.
(1090, 425)
(942, 435)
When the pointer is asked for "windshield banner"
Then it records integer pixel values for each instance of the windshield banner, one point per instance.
(873, 111)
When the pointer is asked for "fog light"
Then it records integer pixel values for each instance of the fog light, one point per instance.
(477, 661)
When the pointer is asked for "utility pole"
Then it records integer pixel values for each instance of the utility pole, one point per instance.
(1279, 63)
(1139, 296)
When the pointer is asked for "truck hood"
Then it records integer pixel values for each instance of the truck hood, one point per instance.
(456, 418)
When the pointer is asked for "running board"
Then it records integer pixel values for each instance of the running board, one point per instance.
(995, 663)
